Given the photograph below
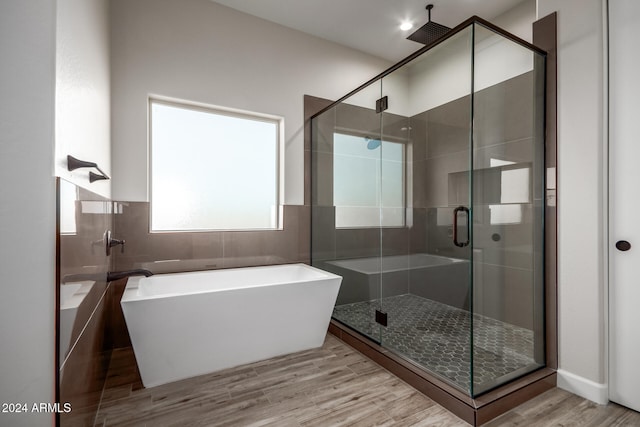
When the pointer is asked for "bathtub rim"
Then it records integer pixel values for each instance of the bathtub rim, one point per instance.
(360, 270)
(131, 293)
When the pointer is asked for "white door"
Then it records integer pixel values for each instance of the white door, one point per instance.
(624, 191)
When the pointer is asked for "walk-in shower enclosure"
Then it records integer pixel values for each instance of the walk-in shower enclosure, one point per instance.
(427, 198)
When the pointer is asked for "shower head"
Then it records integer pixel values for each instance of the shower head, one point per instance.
(429, 32)
(372, 144)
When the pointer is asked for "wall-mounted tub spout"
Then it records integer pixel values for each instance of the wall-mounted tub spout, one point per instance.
(93, 177)
(116, 275)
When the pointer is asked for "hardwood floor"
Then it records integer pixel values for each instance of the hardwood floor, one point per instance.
(331, 386)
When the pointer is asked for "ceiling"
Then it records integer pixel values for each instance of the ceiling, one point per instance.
(371, 26)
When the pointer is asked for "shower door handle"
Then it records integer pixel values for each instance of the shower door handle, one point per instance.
(455, 226)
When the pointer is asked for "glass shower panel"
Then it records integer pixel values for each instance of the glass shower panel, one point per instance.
(426, 275)
(348, 196)
(508, 160)
(427, 198)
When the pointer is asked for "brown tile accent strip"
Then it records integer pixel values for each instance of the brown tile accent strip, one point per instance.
(209, 250)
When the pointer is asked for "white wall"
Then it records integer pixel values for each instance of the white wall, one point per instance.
(518, 19)
(27, 207)
(201, 51)
(443, 74)
(581, 194)
(82, 90)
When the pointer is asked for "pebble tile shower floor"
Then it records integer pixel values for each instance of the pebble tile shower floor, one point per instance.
(437, 336)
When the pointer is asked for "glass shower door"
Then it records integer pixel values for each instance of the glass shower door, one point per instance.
(508, 210)
(425, 234)
(346, 206)
(427, 198)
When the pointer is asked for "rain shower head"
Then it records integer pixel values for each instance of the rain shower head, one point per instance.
(372, 144)
(429, 32)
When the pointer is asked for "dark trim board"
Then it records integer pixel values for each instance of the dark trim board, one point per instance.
(56, 327)
(545, 36)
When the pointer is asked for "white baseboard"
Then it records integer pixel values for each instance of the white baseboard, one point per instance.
(591, 390)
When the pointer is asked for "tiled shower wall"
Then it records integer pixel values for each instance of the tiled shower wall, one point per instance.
(503, 128)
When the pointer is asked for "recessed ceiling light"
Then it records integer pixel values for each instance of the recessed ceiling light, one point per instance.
(406, 25)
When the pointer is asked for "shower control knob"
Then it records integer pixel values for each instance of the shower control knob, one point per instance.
(623, 245)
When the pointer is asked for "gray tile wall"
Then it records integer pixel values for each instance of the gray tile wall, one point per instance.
(191, 251)
(503, 129)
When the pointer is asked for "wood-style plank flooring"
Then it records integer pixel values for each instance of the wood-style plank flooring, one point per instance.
(331, 386)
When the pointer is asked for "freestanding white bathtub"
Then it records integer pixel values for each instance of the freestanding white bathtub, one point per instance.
(188, 324)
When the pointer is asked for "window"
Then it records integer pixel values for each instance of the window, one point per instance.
(213, 168)
(368, 182)
(515, 189)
